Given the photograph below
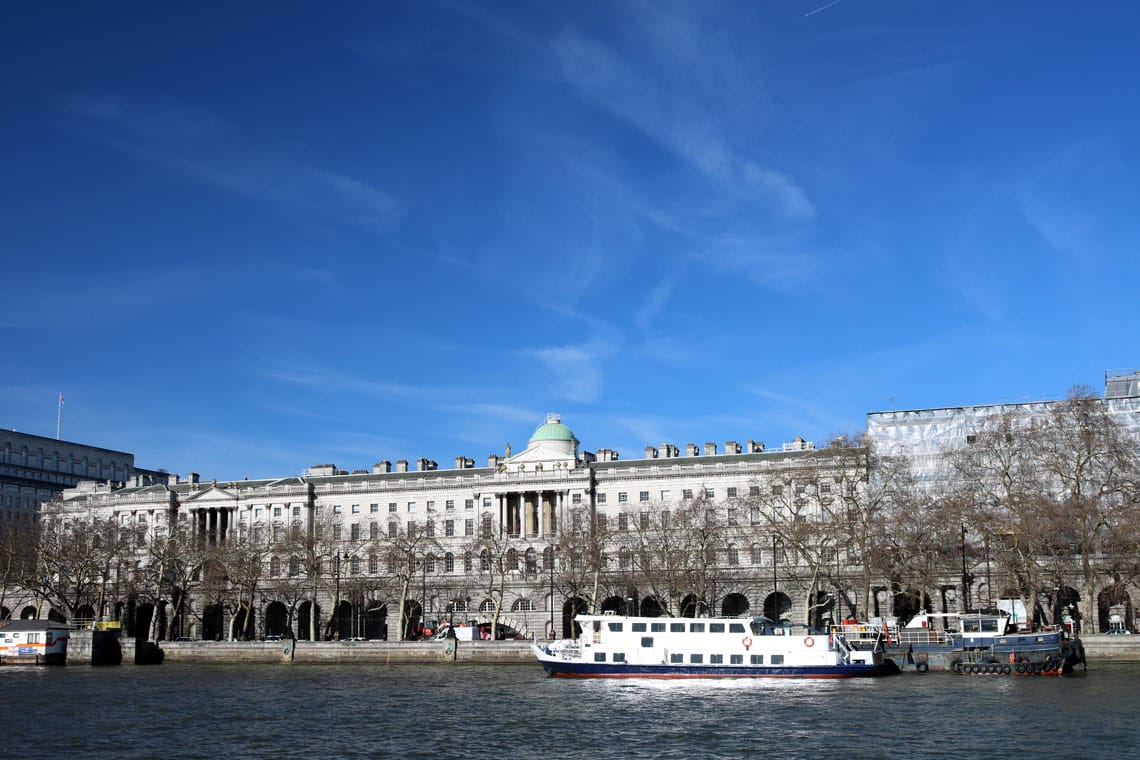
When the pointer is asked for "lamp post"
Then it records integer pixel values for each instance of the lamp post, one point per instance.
(553, 551)
(775, 584)
(336, 597)
(966, 579)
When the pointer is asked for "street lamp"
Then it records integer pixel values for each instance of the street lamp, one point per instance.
(552, 553)
(336, 597)
(966, 577)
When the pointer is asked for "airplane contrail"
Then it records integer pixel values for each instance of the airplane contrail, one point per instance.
(823, 7)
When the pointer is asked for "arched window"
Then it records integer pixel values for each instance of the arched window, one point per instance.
(275, 567)
(487, 605)
(522, 605)
(757, 555)
(467, 562)
(449, 563)
(429, 564)
(512, 559)
(531, 561)
(485, 560)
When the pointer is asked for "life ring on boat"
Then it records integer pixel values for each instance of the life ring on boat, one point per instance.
(747, 642)
(921, 667)
(809, 641)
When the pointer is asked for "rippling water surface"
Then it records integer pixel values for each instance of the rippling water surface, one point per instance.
(490, 712)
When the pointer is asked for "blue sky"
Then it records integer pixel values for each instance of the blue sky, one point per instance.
(244, 238)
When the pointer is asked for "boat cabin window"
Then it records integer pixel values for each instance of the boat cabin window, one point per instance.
(616, 627)
(716, 659)
(716, 627)
(676, 657)
(646, 641)
(696, 627)
(48, 637)
(736, 659)
(657, 627)
(757, 659)
(637, 627)
(619, 656)
(696, 658)
(677, 627)
(777, 659)
(736, 627)
(599, 656)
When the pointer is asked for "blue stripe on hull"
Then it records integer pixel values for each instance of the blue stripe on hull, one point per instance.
(564, 669)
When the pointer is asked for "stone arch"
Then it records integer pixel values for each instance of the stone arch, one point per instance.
(28, 613)
(376, 621)
(276, 619)
(615, 604)
(213, 623)
(341, 625)
(84, 612)
(777, 605)
(734, 605)
(693, 607)
(651, 606)
(306, 613)
(908, 603)
(1066, 604)
(5, 613)
(56, 616)
(571, 608)
(1114, 610)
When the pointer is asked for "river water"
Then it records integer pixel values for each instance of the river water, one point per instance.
(488, 712)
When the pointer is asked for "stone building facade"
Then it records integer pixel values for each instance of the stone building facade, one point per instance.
(529, 500)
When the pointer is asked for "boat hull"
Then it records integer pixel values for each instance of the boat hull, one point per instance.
(1023, 654)
(563, 668)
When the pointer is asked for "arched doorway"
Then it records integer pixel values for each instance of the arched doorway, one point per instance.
(413, 619)
(614, 604)
(341, 628)
(692, 607)
(777, 606)
(908, 603)
(734, 605)
(213, 623)
(276, 619)
(1067, 607)
(376, 621)
(5, 613)
(1114, 610)
(28, 613)
(306, 614)
(56, 616)
(651, 606)
(85, 613)
(570, 609)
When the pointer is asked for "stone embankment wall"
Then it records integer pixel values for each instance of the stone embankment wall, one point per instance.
(288, 650)
(1098, 648)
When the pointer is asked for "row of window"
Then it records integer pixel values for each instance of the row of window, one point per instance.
(678, 658)
(678, 627)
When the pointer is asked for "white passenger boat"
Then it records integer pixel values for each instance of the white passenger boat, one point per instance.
(615, 646)
(33, 642)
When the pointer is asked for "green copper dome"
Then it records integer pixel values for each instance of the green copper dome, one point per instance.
(553, 430)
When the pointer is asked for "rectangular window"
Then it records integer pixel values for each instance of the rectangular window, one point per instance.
(676, 628)
(430, 529)
(277, 511)
(736, 627)
(373, 508)
(716, 659)
(431, 506)
(643, 496)
(643, 520)
(391, 506)
(736, 659)
(393, 530)
(623, 521)
(687, 493)
(354, 531)
(576, 498)
(696, 659)
(710, 493)
(411, 528)
(716, 627)
(374, 530)
(777, 659)
(676, 657)
(487, 502)
(732, 492)
(696, 627)
(614, 627)
(619, 656)
(646, 642)
(825, 488)
(657, 627)
(355, 509)
(449, 504)
(469, 504)
(599, 656)
(336, 532)
(601, 522)
(623, 497)
(665, 495)
(469, 527)
(637, 627)
(411, 506)
(336, 509)
(449, 528)
(757, 659)
(601, 498)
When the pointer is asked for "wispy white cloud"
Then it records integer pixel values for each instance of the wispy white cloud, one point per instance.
(193, 142)
(676, 123)
(575, 370)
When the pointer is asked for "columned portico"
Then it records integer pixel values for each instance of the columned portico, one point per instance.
(530, 513)
(212, 524)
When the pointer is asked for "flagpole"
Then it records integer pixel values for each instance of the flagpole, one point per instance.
(58, 415)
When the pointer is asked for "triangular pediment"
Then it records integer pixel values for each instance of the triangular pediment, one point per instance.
(541, 456)
(211, 494)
